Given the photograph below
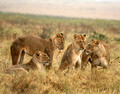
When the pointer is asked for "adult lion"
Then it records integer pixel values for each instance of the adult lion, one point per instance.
(31, 43)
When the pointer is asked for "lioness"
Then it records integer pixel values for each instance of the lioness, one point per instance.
(73, 53)
(31, 43)
(97, 53)
(38, 61)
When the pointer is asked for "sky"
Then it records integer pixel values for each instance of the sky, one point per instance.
(101, 9)
(62, 1)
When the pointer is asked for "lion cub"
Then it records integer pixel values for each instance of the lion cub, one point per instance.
(100, 56)
(73, 53)
(31, 43)
(86, 55)
(97, 53)
(38, 62)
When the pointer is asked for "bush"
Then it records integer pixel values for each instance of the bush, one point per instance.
(10, 32)
(47, 31)
(98, 36)
(117, 39)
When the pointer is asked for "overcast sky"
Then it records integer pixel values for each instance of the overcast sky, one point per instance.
(104, 9)
(62, 1)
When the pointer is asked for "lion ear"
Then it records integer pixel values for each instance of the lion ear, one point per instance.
(97, 42)
(58, 34)
(37, 53)
(85, 36)
(62, 34)
(75, 36)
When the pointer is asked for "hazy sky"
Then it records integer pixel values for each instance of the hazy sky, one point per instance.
(61, 1)
(104, 9)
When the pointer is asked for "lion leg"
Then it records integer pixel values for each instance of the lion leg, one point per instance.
(15, 53)
(77, 65)
(104, 63)
(71, 66)
(83, 66)
(15, 58)
(22, 57)
(63, 65)
(16, 70)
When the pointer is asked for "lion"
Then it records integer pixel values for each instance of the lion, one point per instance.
(100, 56)
(39, 61)
(73, 53)
(29, 44)
(97, 53)
(86, 55)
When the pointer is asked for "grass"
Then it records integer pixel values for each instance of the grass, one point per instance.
(54, 82)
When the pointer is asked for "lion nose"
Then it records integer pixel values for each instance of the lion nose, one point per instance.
(82, 47)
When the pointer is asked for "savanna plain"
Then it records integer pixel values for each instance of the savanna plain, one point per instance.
(101, 81)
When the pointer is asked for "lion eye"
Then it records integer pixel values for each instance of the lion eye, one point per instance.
(62, 42)
(37, 54)
(80, 41)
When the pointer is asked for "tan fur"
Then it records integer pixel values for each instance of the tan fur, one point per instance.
(38, 62)
(100, 56)
(97, 53)
(73, 53)
(85, 58)
(31, 43)
(86, 55)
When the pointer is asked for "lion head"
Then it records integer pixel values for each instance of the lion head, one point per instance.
(79, 41)
(59, 41)
(41, 57)
(90, 47)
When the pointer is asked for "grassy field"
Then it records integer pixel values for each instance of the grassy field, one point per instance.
(53, 82)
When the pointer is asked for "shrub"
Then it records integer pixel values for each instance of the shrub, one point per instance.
(98, 36)
(47, 31)
(117, 39)
(10, 32)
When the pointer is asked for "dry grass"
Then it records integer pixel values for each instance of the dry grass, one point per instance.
(99, 81)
